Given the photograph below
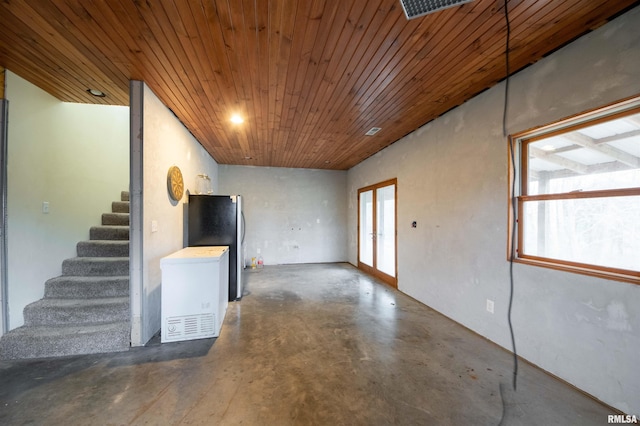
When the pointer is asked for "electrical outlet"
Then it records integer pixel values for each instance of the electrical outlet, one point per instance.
(154, 226)
(490, 306)
(45, 207)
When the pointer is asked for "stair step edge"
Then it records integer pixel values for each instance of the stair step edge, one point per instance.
(78, 302)
(45, 341)
(95, 278)
(66, 329)
(96, 259)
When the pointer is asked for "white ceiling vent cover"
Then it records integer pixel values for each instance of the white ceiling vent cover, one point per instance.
(417, 8)
(372, 131)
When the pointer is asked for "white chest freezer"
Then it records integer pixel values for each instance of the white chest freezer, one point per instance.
(195, 293)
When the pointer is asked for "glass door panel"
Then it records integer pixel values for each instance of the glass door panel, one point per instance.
(366, 228)
(386, 230)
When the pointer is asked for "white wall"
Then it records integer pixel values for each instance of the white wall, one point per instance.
(166, 142)
(74, 156)
(452, 179)
(292, 215)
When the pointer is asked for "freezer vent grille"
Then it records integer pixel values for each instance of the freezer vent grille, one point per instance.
(416, 8)
(206, 324)
(189, 326)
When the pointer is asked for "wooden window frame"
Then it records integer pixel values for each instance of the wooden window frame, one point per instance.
(371, 270)
(519, 194)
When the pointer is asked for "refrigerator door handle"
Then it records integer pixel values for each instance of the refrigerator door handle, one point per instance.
(243, 227)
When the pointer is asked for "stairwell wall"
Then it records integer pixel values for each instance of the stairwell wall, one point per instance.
(73, 156)
(166, 142)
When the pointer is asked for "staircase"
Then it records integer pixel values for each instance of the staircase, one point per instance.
(86, 309)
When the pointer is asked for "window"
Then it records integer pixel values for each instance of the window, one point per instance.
(576, 194)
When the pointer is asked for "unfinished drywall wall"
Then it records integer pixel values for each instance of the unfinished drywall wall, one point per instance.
(166, 142)
(452, 180)
(292, 215)
(73, 156)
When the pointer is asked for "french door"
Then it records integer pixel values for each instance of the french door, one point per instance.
(377, 231)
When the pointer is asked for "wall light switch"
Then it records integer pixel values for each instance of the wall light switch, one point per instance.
(45, 207)
(154, 226)
(490, 306)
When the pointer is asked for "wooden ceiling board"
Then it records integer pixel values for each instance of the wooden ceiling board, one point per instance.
(451, 59)
(178, 65)
(253, 91)
(283, 46)
(309, 77)
(186, 30)
(280, 47)
(34, 66)
(139, 49)
(320, 59)
(73, 23)
(306, 72)
(398, 95)
(326, 128)
(58, 59)
(380, 92)
(478, 69)
(216, 79)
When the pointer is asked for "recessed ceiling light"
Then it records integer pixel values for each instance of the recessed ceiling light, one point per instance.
(248, 158)
(96, 92)
(548, 148)
(237, 119)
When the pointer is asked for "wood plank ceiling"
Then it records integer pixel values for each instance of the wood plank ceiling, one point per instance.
(310, 78)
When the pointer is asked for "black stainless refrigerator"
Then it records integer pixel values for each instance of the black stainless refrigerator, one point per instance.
(217, 220)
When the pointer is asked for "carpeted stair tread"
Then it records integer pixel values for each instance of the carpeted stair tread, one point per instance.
(103, 248)
(120, 207)
(109, 232)
(49, 341)
(121, 219)
(86, 287)
(92, 266)
(124, 196)
(76, 311)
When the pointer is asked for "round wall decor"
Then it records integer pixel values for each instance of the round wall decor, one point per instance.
(175, 184)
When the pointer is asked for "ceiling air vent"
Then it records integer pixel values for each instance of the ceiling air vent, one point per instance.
(372, 131)
(417, 8)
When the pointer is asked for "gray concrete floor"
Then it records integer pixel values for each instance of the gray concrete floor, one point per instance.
(307, 345)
